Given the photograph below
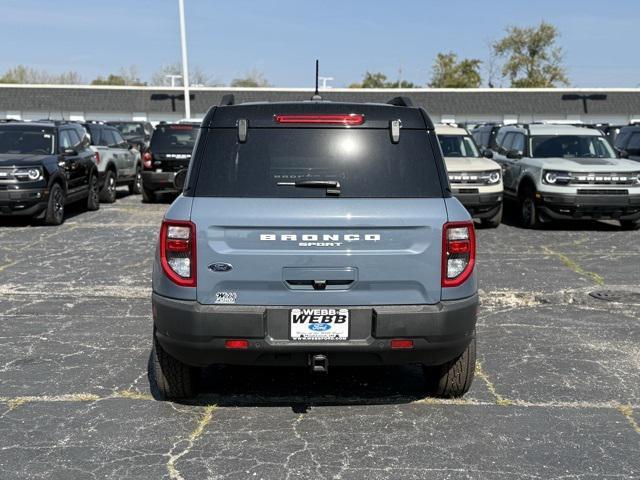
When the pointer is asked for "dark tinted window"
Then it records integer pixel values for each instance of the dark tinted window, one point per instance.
(129, 129)
(24, 139)
(174, 138)
(621, 139)
(117, 138)
(518, 142)
(65, 139)
(73, 135)
(570, 146)
(634, 142)
(458, 146)
(95, 132)
(364, 161)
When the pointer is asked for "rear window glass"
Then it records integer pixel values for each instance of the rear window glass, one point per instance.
(364, 161)
(174, 138)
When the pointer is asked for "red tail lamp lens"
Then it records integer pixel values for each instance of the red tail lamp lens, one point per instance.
(236, 344)
(401, 344)
(178, 252)
(332, 119)
(458, 252)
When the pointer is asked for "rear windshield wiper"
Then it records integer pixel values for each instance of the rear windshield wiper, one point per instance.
(333, 187)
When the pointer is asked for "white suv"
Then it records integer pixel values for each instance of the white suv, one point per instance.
(475, 179)
(564, 172)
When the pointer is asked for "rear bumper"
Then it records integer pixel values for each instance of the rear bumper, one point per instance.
(588, 207)
(158, 181)
(480, 205)
(23, 202)
(195, 333)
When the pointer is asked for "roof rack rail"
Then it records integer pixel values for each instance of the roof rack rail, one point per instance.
(400, 102)
(228, 99)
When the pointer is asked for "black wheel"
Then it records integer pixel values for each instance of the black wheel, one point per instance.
(108, 192)
(630, 224)
(135, 187)
(529, 216)
(173, 379)
(454, 378)
(55, 207)
(492, 222)
(148, 196)
(93, 199)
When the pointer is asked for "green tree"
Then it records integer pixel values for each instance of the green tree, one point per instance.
(379, 80)
(126, 76)
(22, 74)
(448, 72)
(532, 58)
(252, 79)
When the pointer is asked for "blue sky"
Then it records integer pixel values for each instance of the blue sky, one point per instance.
(282, 38)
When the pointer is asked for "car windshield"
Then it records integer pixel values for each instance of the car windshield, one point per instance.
(570, 146)
(174, 138)
(306, 162)
(458, 146)
(129, 129)
(24, 139)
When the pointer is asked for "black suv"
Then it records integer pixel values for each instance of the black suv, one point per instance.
(44, 166)
(169, 152)
(627, 142)
(137, 134)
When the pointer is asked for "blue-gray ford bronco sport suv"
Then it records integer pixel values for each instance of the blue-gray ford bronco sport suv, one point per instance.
(315, 234)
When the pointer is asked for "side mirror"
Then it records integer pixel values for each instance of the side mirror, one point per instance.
(179, 179)
(67, 152)
(487, 153)
(514, 155)
(623, 154)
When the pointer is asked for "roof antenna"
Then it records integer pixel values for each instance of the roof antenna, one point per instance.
(316, 95)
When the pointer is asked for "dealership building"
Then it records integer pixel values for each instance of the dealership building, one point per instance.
(88, 102)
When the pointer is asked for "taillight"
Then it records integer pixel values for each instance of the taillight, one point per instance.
(335, 119)
(178, 252)
(458, 252)
(147, 158)
(97, 155)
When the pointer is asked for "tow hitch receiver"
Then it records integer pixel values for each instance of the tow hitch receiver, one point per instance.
(319, 363)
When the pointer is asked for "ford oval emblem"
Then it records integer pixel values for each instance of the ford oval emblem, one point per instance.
(220, 267)
(319, 327)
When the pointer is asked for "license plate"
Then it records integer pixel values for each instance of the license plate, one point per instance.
(313, 324)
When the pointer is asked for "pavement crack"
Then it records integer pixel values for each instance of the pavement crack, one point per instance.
(627, 411)
(573, 266)
(500, 400)
(205, 419)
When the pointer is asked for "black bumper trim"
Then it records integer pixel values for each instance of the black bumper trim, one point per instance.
(23, 202)
(569, 206)
(480, 205)
(158, 181)
(195, 333)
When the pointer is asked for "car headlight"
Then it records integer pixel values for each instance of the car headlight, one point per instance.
(32, 173)
(553, 177)
(493, 177)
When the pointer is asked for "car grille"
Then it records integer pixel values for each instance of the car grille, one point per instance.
(603, 178)
(602, 192)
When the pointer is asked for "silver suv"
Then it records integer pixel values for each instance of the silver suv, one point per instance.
(475, 179)
(564, 172)
(118, 162)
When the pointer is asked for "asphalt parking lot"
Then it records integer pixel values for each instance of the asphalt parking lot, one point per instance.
(557, 392)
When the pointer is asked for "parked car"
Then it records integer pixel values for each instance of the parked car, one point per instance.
(627, 142)
(485, 135)
(118, 162)
(315, 234)
(169, 151)
(137, 134)
(563, 172)
(475, 179)
(44, 166)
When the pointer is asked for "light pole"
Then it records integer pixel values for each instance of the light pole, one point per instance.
(185, 67)
(173, 79)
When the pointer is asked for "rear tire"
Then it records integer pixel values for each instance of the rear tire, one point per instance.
(55, 206)
(93, 198)
(109, 189)
(173, 379)
(529, 215)
(135, 187)
(454, 378)
(492, 222)
(148, 196)
(630, 224)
